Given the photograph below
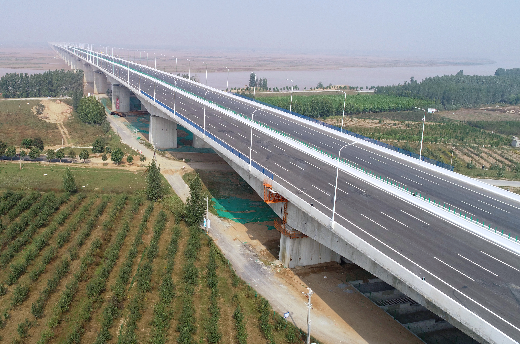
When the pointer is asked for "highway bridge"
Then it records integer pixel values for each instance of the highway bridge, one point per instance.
(448, 241)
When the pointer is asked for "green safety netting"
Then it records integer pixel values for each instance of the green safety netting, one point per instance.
(243, 210)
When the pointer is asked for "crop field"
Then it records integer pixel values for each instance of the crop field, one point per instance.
(116, 268)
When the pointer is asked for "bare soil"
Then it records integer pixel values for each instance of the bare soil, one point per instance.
(496, 113)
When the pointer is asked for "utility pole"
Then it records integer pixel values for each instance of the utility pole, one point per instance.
(309, 306)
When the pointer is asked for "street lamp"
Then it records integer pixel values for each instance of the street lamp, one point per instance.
(336, 187)
(189, 69)
(251, 142)
(206, 72)
(344, 101)
(422, 135)
(227, 80)
(292, 86)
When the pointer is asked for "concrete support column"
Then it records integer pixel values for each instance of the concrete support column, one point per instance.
(304, 251)
(100, 83)
(163, 133)
(88, 79)
(199, 143)
(120, 98)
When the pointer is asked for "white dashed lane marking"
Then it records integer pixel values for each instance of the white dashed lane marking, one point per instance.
(474, 263)
(373, 221)
(453, 268)
(403, 224)
(502, 262)
(296, 165)
(409, 179)
(320, 189)
(280, 166)
(422, 221)
(478, 208)
(338, 188)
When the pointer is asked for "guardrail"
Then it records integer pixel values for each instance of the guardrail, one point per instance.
(359, 136)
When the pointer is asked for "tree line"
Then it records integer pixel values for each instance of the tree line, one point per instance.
(459, 90)
(317, 106)
(56, 83)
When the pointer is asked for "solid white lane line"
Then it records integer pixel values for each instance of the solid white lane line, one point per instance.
(492, 257)
(453, 268)
(403, 224)
(415, 217)
(474, 263)
(373, 221)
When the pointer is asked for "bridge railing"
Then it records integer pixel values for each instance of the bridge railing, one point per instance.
(359, 136)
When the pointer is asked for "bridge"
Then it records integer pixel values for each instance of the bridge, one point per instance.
(448, 241)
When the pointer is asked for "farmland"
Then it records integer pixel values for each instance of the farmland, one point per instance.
(89, 268)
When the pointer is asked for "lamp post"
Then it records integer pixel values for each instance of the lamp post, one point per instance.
(309, 306)
(292, 85)
(336, 186)
(189, 69)
(422, 135)
(227, 80)
(206, 72)
(344, 101)
(251, 142)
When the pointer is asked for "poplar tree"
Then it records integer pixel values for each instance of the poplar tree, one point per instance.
(154, 189)
(69, 183)
(195, 206)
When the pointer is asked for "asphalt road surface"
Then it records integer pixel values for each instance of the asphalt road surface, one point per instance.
(477, 273)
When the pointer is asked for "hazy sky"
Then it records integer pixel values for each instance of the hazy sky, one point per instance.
(453, 28)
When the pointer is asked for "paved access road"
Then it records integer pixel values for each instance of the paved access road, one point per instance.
(476, 273)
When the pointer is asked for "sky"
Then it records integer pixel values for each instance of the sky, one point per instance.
(476, 29)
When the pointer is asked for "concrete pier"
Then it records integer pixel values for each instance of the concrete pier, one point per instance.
(163, 133)
(100, 83)
(304, 251)
(120, 98)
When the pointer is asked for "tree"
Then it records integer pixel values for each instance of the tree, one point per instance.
(27, 143)
(60, 154)
(51, 154)
(252, 79)
(142, 158)
(23, 154)
(3, 147)
(129, 159)
(72, 154)
(76, 98)
(90, 110)
(108, 149)
(154, 188)
(10, 152)
(84, 155)
(320, 85)
(69, 183)
(117, 156)
(99, 145)
(34, 153)
(38, 143)
(195, 206)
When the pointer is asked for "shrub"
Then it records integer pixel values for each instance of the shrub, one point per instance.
(72, 154)
(27, 143)
(104, 157)
(130, 159)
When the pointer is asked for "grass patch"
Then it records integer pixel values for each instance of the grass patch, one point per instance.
(96, 180)
(17, 121)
